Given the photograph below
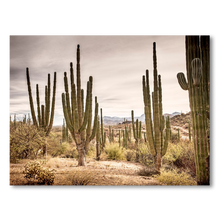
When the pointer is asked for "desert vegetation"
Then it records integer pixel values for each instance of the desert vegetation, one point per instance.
(85, 151)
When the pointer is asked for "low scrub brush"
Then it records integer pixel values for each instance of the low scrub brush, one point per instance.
(34, 171)
(175, 177)
(114, 152)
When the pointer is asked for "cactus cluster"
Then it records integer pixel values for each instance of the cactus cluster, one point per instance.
(111, 135)
(155, 126)
(136, 129)
(100, 137)
(45, 112)
(198, 86)
(77, 115)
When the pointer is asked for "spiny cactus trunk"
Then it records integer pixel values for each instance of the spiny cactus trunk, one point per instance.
(197, 65)
(136, 129)
(155, 129)
(80, 145)
(79, 119)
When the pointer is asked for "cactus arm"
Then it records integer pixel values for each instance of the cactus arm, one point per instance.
(140, 135)
(95, 124)
(43, 116)
(47, 102)
(31, 99)
(133, 126)
(68, 122)
(82, 98)
(46, 94)
(86, 116)
(38, 106)
(156, 116)
(196, 67)
(78, 80)
(167, 136)
(182, 81)
(53, 105)
(137, 131)
(67, 96)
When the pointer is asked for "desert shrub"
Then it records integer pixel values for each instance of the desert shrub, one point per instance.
(174, 151)
(34, 171)
(143, 155)
(186, 159)
(114, 152)
(174, 137)
(130, 155)
(26, 141)
(181, 155)
(175, 177)
(147, 171)
(92, 151)
(81, 178)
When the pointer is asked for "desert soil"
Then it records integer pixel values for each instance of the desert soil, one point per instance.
(99, 172)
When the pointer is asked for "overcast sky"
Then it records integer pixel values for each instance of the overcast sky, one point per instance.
(116, 63)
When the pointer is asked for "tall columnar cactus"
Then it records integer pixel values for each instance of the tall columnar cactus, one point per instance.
(119, 138)
(136, 129)
(155, 128)
(103, 134)
(197, 84)
(189, 128)
(98, 140)
(45, 112)
(79, 117)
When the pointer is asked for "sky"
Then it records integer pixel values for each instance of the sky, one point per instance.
(117, 64)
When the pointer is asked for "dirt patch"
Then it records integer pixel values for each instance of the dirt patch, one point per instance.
(100, 172)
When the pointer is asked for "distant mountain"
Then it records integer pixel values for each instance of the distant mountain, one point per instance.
(107, 120)
(172, 115)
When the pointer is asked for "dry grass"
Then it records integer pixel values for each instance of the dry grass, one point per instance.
(175, 177)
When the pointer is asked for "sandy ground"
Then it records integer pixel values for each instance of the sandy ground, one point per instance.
(96, 172)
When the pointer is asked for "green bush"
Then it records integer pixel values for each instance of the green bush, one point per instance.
(181, 155)
(174, 137)
(81, 178)
(26, 141)
(175, 177)
(143, 155)
(174, 151)
(130, 155)
(114, 152)
(34, 171)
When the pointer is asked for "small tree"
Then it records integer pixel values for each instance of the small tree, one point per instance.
(26, 142)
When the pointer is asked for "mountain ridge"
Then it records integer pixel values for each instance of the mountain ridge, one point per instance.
(109, 120)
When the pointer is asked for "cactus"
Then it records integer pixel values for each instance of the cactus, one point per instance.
(78, 118)
(178, 134)
(198, 86)
(119, 138)
(98, 141)
(103, 134)
(136, 129)
(45, 118)
(15, 122)
(190, 135)
(155, 129)
(125, 139)
(65, 133)
(111, 135)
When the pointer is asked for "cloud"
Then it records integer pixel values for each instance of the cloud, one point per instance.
(116, 63)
